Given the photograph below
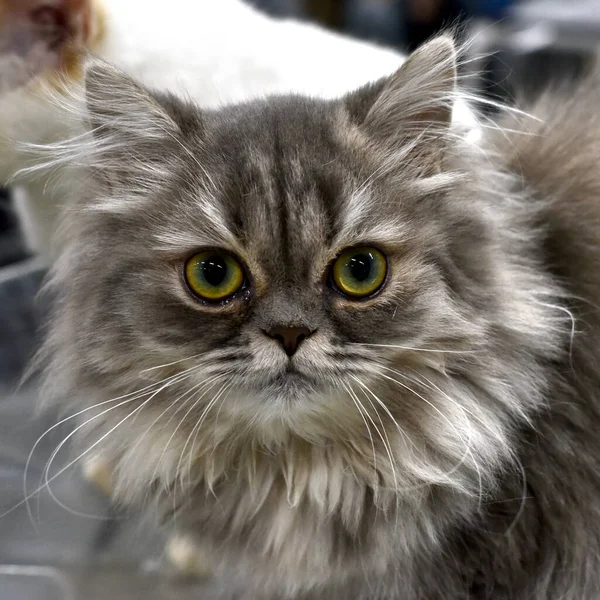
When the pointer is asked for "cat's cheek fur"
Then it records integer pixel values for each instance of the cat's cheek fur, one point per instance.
(293, 523)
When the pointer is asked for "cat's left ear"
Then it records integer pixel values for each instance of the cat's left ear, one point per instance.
(415, 102)
(134, 134)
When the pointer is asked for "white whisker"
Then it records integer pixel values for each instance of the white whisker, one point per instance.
(200, 386)
(401, 432)
(467, 443)
(169, 364)
(360, 412)
(220, 395)
(433, 386)
(48, 467)
(409, 348)
(170, 407)
(176, 475)
(387, 446)
(131, 396)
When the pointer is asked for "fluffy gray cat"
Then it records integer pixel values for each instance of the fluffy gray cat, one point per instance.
(356, 355)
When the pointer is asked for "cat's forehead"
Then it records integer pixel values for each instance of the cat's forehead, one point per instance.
(283, 183)
(285, 143)
(284, 176)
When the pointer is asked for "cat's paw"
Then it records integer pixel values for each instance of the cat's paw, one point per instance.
(187, 558)
(98, 471)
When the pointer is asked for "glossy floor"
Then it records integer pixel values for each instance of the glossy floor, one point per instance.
(66, 543)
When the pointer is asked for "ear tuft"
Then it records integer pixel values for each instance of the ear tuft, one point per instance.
(415, 101)
(114, 100)
(134, 135)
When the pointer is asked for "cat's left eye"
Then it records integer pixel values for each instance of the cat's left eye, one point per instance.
(359, 272)
(214, 275)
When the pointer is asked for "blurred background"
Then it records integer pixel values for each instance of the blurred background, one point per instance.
(518, 47)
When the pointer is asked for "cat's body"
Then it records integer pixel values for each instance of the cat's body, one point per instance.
(435, 438)
(215, 52)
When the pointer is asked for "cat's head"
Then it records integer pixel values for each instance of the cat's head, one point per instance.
(292, 271)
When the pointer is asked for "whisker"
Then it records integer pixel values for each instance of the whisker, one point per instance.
(465, 411)
(169, 364)
(200, 386)
(132, 395)
(431, 385)
(47, 470)
(360, 412)
(207, 408)
(176, 476)
(220, 394)
(387, 446)
(401, 431)
(416, 349)
(216, 421)
(27, 496)
(466, 444)
(170, 407)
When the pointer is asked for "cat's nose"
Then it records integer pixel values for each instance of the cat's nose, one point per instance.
(289, 337)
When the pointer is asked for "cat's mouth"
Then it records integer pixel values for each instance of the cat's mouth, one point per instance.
(292, 374)
(292, 382)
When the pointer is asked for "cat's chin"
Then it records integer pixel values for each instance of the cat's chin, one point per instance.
(282, 382)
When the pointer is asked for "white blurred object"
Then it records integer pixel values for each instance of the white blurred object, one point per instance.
(573, 25)
(214, 51)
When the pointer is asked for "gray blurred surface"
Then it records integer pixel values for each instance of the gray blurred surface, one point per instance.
(33, 583)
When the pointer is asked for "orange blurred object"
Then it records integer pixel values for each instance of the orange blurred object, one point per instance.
(38, 35)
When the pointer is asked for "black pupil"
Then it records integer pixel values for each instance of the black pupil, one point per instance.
(214, 270)
(360, 266)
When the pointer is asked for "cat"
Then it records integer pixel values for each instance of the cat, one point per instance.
(215, 52)
(353, 353)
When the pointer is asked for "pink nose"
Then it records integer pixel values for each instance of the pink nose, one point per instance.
(289, 337)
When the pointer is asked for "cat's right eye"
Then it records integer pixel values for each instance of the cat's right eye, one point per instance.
(214, 275)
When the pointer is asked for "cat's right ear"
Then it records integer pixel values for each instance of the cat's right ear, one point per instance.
(415, 103)
(133, 134)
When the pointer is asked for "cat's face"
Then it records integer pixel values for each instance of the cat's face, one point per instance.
(281, 254)
(289, 268)
(282, 264)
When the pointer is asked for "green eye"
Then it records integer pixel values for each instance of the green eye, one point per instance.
(359, 272)
(214, 275)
